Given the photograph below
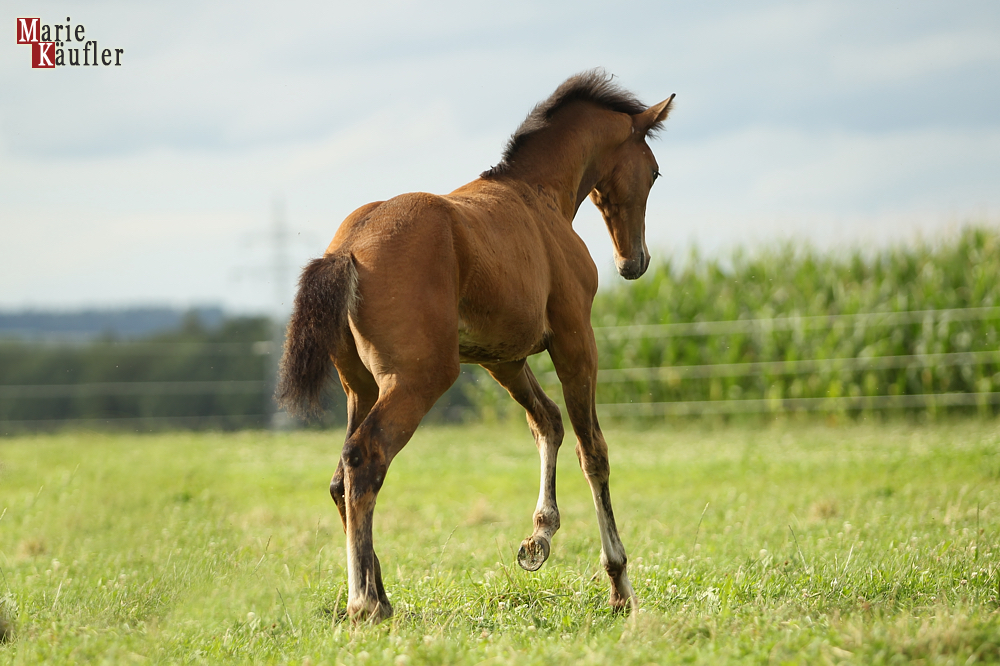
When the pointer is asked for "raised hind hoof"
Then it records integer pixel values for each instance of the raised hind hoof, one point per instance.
(533, 553)
(371, 611)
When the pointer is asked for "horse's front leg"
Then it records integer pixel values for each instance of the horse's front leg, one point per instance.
(546, 425)
(575, 360)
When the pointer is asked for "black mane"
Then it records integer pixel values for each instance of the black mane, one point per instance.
(591, 86)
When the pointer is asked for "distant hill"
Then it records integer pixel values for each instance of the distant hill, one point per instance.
(124, 323)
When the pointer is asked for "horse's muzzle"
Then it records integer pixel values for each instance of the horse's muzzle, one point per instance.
(633, 268)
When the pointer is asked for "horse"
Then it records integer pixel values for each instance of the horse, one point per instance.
(411, 287)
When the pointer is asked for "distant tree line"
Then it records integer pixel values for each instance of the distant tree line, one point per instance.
(193, 375)
(216, 375)
(121, 323)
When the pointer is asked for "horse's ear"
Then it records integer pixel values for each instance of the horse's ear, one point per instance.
(650, 119)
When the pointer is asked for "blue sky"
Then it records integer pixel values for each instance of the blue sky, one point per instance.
(843, 124)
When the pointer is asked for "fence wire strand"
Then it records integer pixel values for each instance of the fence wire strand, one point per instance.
(605, 376)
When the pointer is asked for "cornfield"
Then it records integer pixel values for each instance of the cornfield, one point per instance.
(794, 322)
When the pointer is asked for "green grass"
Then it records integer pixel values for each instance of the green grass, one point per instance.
(853, 544)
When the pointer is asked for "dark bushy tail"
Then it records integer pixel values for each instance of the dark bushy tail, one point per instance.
(328, 290)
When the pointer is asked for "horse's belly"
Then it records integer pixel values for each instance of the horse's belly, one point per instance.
(498, 345)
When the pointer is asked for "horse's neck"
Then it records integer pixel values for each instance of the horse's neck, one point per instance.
(565, 161)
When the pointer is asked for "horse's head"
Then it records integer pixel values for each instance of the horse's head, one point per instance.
(623, 187)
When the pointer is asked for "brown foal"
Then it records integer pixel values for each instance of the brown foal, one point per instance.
(411, 287)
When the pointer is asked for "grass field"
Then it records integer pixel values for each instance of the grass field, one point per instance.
(820, 544)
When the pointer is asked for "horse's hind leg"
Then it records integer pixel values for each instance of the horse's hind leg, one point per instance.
(546, 425)
(366, 457)
(359, 404)
(362, 392)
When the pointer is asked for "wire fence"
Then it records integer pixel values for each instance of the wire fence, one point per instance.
(225, 385)
(222, 387)
(634, 383)
(852, 363)
(857, 326)
(793, 322)
(928, 401)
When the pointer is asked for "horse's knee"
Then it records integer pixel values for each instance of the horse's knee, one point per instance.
(558, 432)
(546, 424)
(555, 419)
(553, 427)
(594, 463)
(337, 486)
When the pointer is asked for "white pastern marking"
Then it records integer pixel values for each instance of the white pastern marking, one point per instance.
(354, 587)
(610, 551)
(546, 505)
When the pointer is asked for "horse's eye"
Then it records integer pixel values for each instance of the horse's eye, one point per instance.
(656, 174)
